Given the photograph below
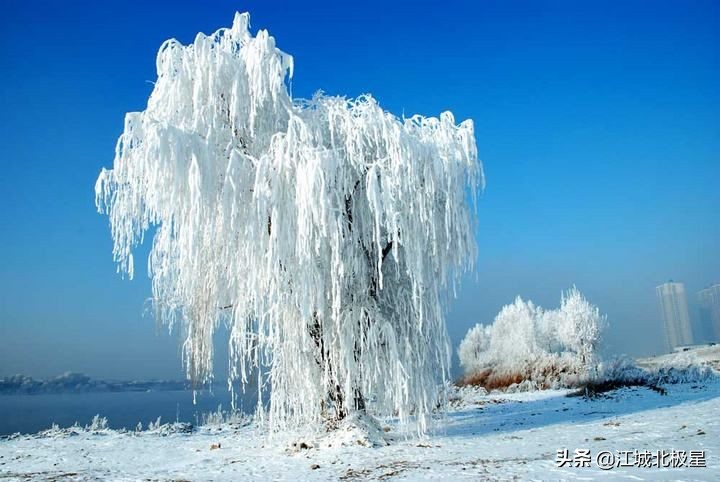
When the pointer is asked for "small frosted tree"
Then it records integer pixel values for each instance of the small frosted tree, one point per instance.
(475, 348)
(581, 327)
(515, 331)
(323, 232)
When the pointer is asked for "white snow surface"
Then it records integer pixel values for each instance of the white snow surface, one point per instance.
(708, 354)
(483, 437)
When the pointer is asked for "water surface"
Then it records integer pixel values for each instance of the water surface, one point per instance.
(32, 413)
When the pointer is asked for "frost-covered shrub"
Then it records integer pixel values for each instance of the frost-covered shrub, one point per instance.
(620, 368)
(224, 417)
(688, 374)
(528, 347)
(155, 425)
(514, 332)
(165, 429)
(679, 369)
(623, 371)
(98, 424)
(580, 327)
(475, 347)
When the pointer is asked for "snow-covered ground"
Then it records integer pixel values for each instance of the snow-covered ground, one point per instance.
(488, 437)
(701, 354)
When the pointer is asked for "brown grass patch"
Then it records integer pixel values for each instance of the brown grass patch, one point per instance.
(490, 379)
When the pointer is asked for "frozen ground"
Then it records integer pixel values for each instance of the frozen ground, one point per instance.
(488, 437)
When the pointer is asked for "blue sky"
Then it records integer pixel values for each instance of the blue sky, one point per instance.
(598, 124)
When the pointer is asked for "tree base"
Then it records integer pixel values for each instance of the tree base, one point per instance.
(358, 428)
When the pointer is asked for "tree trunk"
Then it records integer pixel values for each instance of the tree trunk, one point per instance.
(334, 391)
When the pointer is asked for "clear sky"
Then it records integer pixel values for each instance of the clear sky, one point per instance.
(598, 124)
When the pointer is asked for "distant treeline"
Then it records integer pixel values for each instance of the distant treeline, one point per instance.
(79, 383)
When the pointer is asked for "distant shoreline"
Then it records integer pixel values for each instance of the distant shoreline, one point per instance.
(79, 383)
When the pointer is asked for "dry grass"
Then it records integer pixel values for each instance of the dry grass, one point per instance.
(543, 377)
(555, 375)
(490, 380)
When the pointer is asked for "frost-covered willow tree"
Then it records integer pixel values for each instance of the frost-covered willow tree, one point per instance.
(324, 232)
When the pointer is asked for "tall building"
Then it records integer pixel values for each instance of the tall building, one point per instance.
(709, 300)
(674, 309)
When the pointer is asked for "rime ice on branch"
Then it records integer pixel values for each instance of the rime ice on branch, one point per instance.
(323, 232)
